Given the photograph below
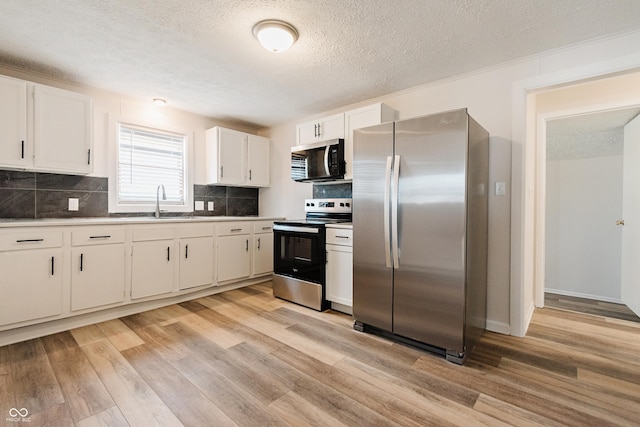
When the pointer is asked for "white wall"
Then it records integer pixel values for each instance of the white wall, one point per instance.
(583, 244)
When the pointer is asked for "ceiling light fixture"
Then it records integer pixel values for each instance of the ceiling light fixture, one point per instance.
(275, 36)
(159, 102)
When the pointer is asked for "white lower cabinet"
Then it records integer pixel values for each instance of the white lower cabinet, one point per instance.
(339, 269)
(262, 259)
(152, 268)
(196, 262)
(233, 251)
(97, 267)
(31, 285)
(58, 272)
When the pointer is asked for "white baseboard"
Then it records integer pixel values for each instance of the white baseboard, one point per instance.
(582, 295)
(498, 327)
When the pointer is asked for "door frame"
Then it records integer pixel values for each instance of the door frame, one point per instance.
(524, 177)
(541, 182)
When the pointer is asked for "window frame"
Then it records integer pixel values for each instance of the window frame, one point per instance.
(143, 207)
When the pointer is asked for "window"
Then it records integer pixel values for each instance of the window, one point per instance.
(145, 158)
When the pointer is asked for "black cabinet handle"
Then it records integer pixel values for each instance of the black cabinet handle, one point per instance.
(247, 245)
(266, 228)
(29, 240)
(249, 174)
(81, 262)
(168, 253)
(100, 237)
(89, 156)
(221, 171)
(258, 243)
(186, 251)
(236, 229)
(22, 150)
(319, 133)
(53, 266)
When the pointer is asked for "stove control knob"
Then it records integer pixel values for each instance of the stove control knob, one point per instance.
(348, 204)
(341, 205)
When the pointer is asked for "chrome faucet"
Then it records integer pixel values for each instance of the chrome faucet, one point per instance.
(164, 197)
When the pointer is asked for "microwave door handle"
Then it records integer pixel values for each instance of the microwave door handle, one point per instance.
(326, 160)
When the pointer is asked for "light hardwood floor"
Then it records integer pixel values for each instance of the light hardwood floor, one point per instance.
(244, 358)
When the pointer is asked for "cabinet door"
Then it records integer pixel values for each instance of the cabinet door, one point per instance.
(361, 118)
(332, 127)
(262, 254)
(340, 274)
(258, 161)
(234, 258)
(97, 276)
(307, 132)
(31, 285)
(196, 262)
(13, 123)
(232, 155)
(62, 131)
(152, 268)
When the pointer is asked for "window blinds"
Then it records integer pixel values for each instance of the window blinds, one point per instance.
(146, 159)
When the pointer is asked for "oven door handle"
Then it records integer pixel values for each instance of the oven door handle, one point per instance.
(295, 229)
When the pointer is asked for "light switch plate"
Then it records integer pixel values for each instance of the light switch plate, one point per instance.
(500, 188)
(199, 205)
(74, 204)
(210, 207)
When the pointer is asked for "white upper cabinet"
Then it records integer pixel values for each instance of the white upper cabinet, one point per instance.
(330, 127)
(62, 131)
(13, 123)
(44, 128)
(259, 152)
(237, 158)
(360, 118)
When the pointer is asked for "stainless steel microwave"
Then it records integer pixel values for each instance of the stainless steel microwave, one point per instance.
(319, 161)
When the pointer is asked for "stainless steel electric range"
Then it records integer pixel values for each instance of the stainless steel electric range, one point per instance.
(299, 254)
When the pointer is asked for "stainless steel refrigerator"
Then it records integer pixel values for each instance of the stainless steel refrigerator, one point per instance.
(420, 193)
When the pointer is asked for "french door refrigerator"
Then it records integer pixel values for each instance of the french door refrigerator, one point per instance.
(420, 193)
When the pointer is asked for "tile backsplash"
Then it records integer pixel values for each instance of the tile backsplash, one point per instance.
(332, 191)
(34, 195)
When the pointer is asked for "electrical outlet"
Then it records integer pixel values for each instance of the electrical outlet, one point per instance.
(211, 206)
(199, 205)
(500, 188)
(74, 204)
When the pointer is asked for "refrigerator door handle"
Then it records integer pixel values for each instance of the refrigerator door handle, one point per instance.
(387, 229)
(394, 212)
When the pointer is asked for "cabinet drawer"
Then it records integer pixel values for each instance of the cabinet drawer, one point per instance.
(97, 236)
(146, 234)
(231, 228)
(195, 230)
(30, 239)
(263, 226)
(339, 236)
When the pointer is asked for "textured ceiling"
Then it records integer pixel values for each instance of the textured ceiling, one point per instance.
(590, 135)
(201, 55)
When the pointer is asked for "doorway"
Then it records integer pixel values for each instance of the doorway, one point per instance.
(583, 240)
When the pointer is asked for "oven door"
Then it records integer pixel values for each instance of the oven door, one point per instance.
(298, 252)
